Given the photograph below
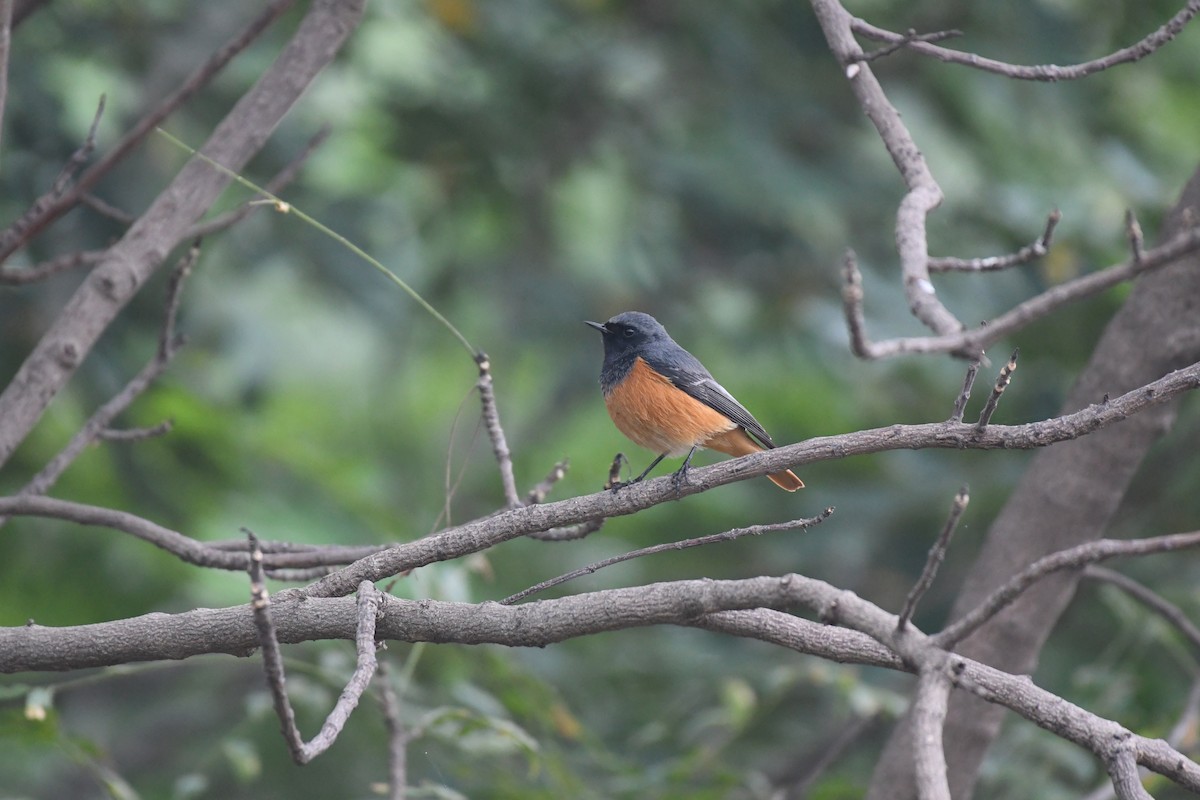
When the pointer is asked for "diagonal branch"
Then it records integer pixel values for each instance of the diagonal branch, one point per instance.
(1073, 558)
(369, 599)
(145, 245)
(196, 81)
(95, 428)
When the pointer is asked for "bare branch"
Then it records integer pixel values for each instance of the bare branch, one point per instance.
(18, 231)
(1073, 558)
(909, 37)
(194, 82)
(1047, 72)
(977, 339)
(928, 720)
(97, 427)
(487, 532)
(738, 607)
(924, 194)
(960, 404)
(727, 536)
(6, 22)
(1170, 612)
(1029, 252)
(993, 401)
(369, 599)
(933, 561)
(277, 184)
(491, 420)
(1137, 240)
(135, 434)
(569, 533)
(183, 547)
(106, 209)
(538, 493)
(141, 250)
(1123, 769)
(398, 734)
(40, 272)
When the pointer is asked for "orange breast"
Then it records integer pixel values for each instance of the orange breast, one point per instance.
(653, 413)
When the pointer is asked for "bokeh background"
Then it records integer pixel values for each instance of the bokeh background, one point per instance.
(526, 166)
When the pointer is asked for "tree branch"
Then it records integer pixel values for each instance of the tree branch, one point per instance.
(737, 607)
(138, 254)
(1046, 72)
(1075, 557)
(11, 240)
(369, 599)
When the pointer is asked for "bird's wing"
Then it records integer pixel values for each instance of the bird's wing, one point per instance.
(688, 374)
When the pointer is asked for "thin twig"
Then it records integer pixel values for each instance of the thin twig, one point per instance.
(795, 784)
(135, 434)
(852, 305)
(1137, 240)
(909, 37)
(1038, 248)
(18, 231)
(106, 209)
(727, 536)
(1172, 613)
(369, 600)
(538, 493)
(569, 533)
(971, 341)
(185, 548)
(1047, 72)
(937, 554)
(491, 420)
(277, 184)
(614, 471)
(1071, 558)
(97, 427)
(960, 404)
(40, 272)
(1002, 381)
(6, 20)
(194, 82)
(398, 734)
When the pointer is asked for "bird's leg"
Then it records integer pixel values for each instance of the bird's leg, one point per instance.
(645, 472)
(680, 476)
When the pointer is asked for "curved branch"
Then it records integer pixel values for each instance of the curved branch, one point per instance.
(1041, 72)
(1075, 557)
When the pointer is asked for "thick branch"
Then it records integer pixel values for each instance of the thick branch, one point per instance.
(699, 603)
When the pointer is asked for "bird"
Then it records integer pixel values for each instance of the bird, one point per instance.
(663, 399)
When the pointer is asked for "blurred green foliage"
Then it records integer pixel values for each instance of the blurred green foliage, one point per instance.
(525, 166)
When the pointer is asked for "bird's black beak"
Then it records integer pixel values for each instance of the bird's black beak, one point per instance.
(597, 325)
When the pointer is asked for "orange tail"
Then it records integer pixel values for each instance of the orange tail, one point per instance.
(738, 443)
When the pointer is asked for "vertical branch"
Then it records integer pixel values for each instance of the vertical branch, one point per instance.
(937, 554)
(928, 721)
(369, 600)
(491, 419)
(6, 10)
(960, 405)
(993, 401)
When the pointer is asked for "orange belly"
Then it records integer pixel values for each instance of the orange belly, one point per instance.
(659, 416)
(653, 413)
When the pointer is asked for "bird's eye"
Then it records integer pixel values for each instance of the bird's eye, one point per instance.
(628, 333)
